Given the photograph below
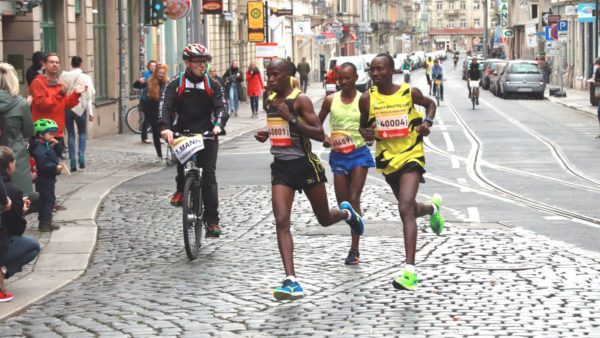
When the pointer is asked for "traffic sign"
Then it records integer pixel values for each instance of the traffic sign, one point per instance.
(547, 31)
(553, 19)
(554, 32)
(563, 25)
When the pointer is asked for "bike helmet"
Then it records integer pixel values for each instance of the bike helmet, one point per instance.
(44, 125)
(195, 50)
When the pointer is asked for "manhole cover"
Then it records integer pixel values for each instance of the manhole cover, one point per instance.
(502, 266)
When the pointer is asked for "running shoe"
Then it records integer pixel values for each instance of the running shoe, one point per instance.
(177, 199)
(406, 281)
(5, 297)
(356, 222)
(288, 291)
(353, 258)
(213, 231)
(436, 221)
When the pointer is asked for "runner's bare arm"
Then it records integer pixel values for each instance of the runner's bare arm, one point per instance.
(325, 108)
(430, 109)
(310, 126)
(366, 127)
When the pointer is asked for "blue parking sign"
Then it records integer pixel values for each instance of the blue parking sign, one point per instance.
(547, 31)
(563, 25)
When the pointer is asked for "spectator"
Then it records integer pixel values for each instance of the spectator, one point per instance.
(36, 68)
(154, 87)
(545, 68)
(48, 168)
(303, 69)
(18, 250)
(331, 79)
(212, 72)
(597, 86)
(293, 66)
(81, 112)
(140, 84)
(16, 125)
(255, 87)
(50, 98)
(233, 82)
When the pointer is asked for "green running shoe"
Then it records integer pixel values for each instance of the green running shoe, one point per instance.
(406, 281)
(436, 221)
(288, 291)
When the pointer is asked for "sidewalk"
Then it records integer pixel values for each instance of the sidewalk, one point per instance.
(111, 161)
(576, 99)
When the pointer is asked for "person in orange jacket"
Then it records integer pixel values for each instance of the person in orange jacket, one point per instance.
(50, 97)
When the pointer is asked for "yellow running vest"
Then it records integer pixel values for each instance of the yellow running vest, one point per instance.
(396, 119)
(345, 121)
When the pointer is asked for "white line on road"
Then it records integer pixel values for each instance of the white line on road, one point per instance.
(462, 180)
(449, 144)
(555, 218)
(455, 162)
(473, 214)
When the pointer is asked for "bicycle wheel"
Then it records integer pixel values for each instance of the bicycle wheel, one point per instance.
(134, 119)
(437, 94)
(192, 216)
(473, 97)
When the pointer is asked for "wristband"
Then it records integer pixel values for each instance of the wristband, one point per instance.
(293, 120)
(427, 119)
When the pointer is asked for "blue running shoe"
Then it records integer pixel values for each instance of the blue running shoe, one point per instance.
(353, 258)
(356, 222)
(288, 291)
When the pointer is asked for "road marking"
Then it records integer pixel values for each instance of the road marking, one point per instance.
(443, 128)
(455, 162)
(462, 180)
(555, 218)
(473, 214)
(449, 144)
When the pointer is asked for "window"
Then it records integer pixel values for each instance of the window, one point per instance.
(439, 5)
(48, 26)
(440, 24)
(77, 7)
(476, 5)
(534, 11)
(463, 5)
(451, 24)
(342, 6)
(451, 5)
(477, 23)
(100, 65)
(463, 23)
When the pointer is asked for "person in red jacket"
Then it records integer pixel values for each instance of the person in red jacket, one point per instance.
(50, 97)
(255, 87)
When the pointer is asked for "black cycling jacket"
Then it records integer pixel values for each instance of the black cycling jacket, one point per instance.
(192, 107)
(473, 71)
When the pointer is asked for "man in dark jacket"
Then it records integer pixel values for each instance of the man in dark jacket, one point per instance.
(37, 61)
(303, 70)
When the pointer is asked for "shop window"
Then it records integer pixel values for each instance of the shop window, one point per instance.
(100, 55)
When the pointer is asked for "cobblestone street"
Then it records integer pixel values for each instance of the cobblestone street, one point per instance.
(480, 282)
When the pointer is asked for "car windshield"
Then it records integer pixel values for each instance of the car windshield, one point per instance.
(524, 68)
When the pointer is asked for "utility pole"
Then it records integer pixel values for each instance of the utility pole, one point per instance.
(485, 29)
(142, 37)
(122, 51)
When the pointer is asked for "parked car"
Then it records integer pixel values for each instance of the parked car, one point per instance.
(488, 68)
(367, 58)
(364, 80)
(522, 77)
(495, 77)
(398, 60)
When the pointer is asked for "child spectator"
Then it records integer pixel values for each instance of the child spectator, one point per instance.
(18, 250)
(48, 167)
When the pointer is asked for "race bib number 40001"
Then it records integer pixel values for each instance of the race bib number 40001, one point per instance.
(342, 142)
(392, 125)
(185, 147)
(279, 132)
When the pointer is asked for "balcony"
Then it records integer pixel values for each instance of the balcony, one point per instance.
(452, 12)
(407, 4)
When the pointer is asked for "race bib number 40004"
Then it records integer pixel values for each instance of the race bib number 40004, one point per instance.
(185, 147)
(342, 142)
(279, 132)
(392, 126)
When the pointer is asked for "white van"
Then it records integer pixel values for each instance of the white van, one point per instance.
(364, 80)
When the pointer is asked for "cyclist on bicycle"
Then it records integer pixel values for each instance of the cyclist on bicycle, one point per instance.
(428, 65)
(473, 74)
(198, 105)
(437, 73)
(455, 59)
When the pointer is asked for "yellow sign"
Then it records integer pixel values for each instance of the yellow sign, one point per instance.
(256, 21)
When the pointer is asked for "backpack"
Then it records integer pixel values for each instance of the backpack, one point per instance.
(181, 85)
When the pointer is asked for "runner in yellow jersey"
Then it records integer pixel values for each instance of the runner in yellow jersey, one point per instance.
(291, 123)
(388, 115)
(350, 158)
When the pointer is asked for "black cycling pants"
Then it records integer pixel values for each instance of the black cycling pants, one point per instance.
(207, 160)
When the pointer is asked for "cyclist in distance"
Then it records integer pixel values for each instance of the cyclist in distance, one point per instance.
(437, 73)
(473, 74)
(198, 105)
(455, 59)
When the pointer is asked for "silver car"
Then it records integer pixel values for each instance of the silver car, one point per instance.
(522, 77)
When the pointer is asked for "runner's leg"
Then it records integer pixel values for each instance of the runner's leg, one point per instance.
(317, 195)
(282, 198)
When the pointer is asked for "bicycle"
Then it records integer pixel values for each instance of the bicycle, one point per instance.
(437, 90)
(134, 118)
(474, 86)
(186, 147)
(170, 158)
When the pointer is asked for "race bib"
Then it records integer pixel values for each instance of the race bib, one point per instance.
(342, 142)
(392, 125)
(330, 87)
(185, 147)
(279, 132)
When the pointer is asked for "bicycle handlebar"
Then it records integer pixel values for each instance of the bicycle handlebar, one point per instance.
(205, 134)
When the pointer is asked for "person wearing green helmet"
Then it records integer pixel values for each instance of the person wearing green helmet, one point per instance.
(48, 167)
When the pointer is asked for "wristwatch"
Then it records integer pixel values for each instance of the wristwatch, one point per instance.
(427, 119)
(293, 120)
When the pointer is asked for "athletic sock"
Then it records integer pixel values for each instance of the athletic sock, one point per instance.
(409, 268)
(291, 278)
(349, 217)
